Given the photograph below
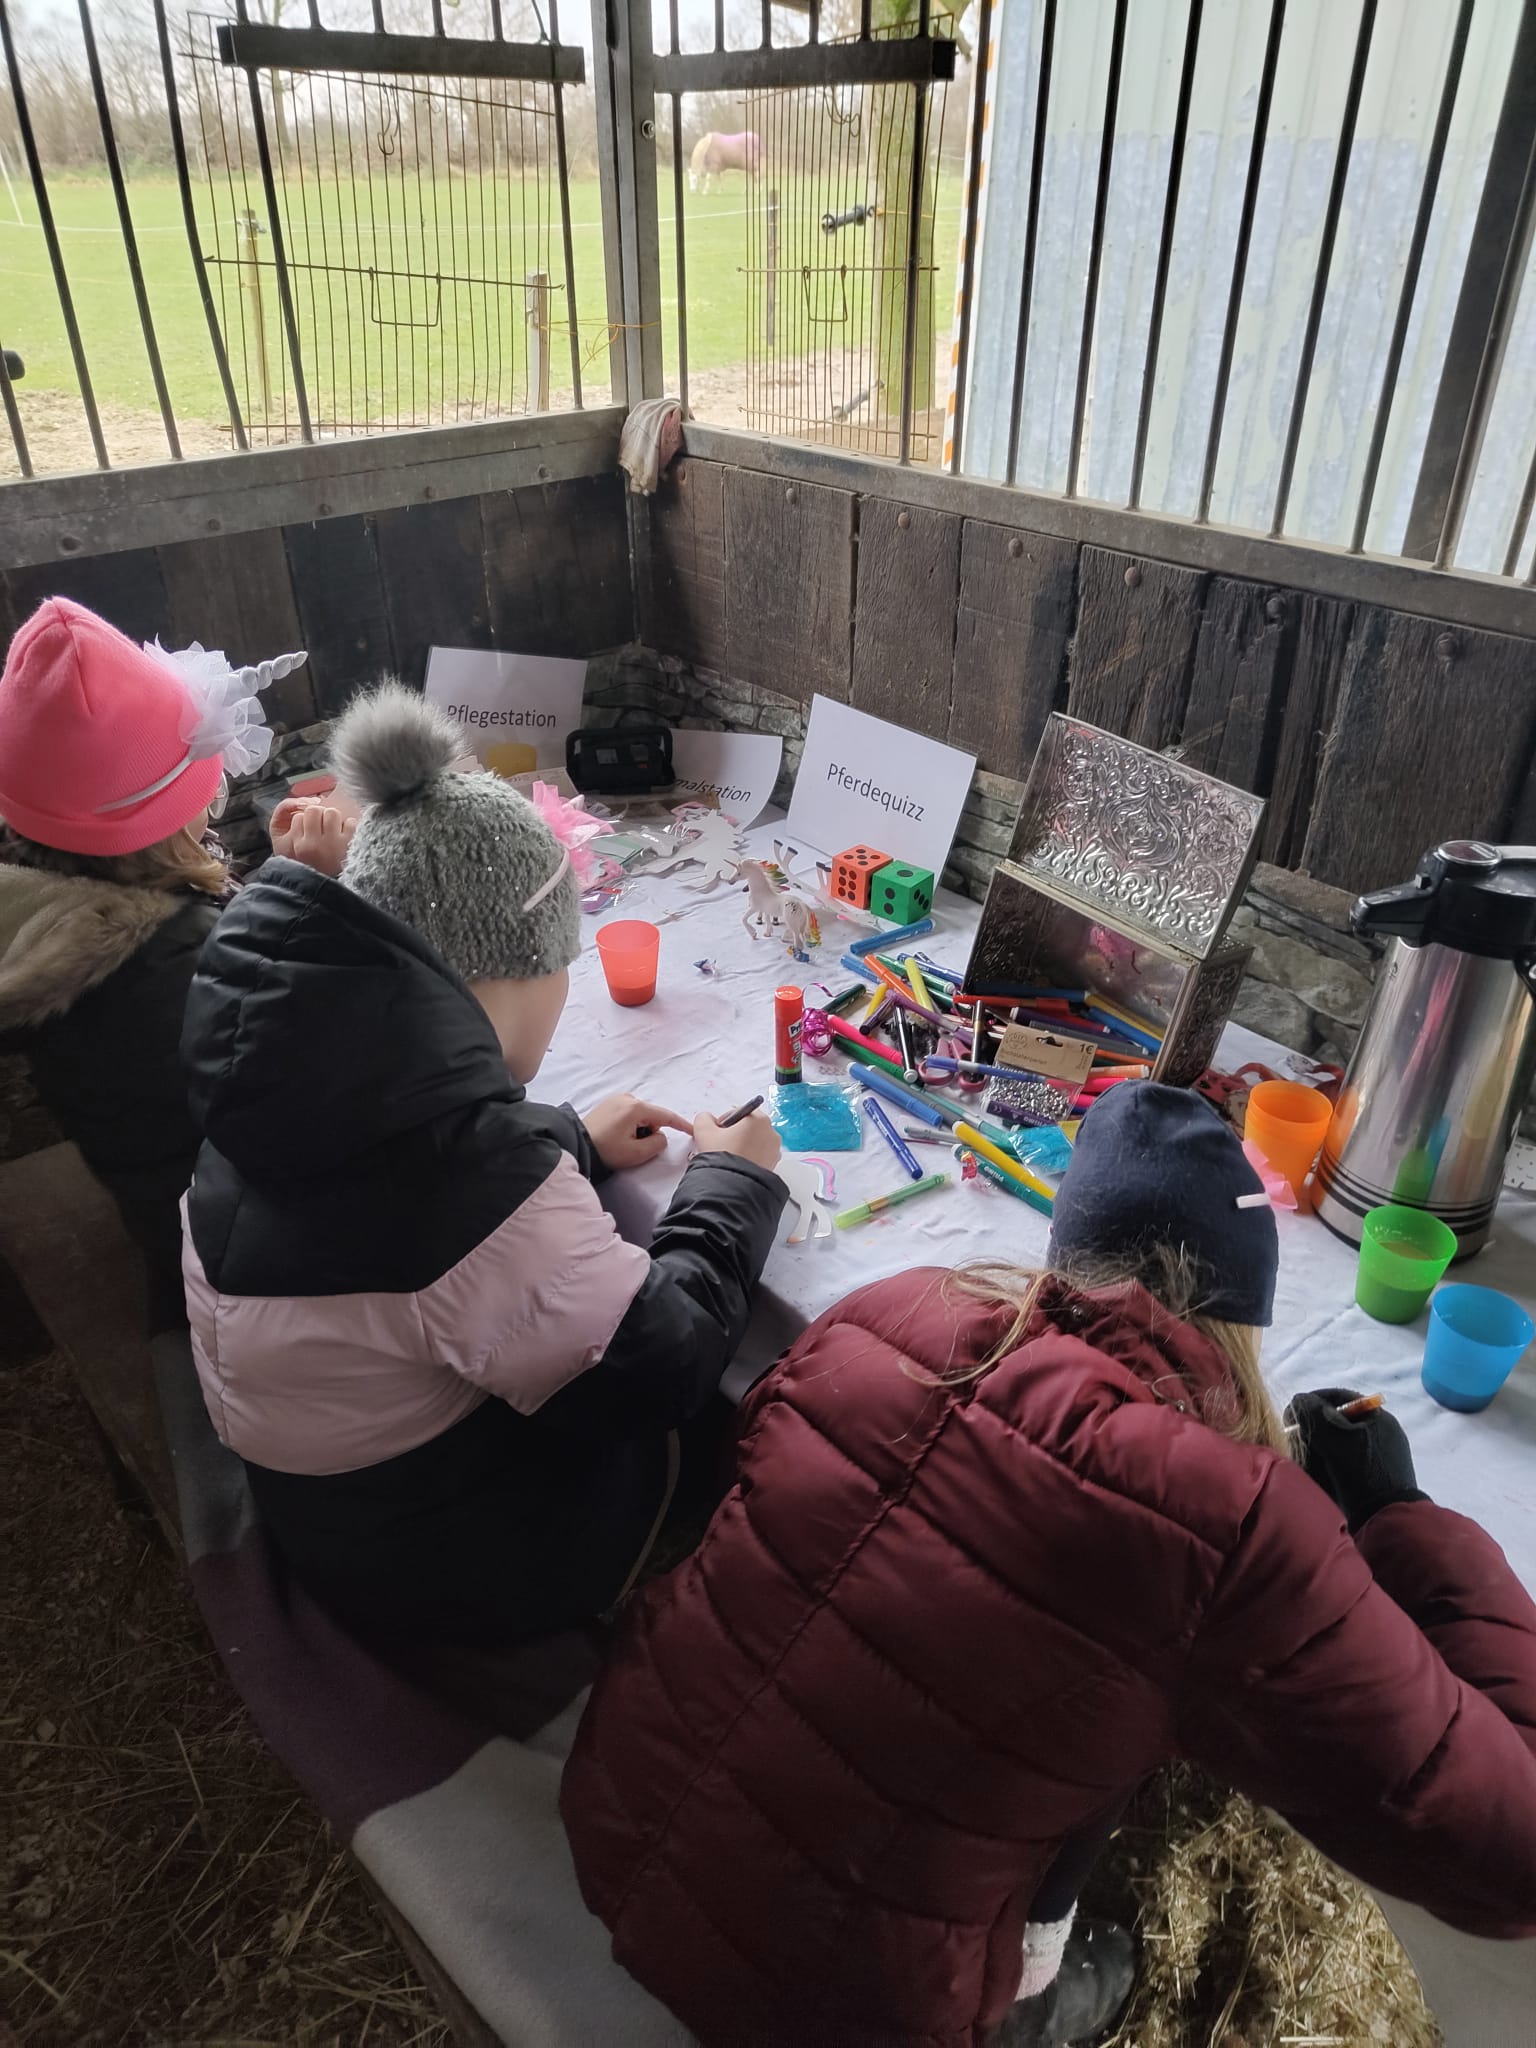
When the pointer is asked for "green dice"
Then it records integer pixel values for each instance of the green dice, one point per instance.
(901, 892)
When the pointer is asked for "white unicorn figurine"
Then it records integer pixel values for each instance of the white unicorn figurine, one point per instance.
(708, 837)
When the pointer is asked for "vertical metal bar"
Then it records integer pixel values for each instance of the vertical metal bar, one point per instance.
(679, 241)
(813, 17)
(1240, 255)
(771, 271)
(1031, 233)
(719, 24)
(622, 57)
(1485, 385)
(765, 40)
(914, 252)
(189, 219)
(1411, 268)
(866, 19)
(279, 255)
(314, 13)
(13, 417)
(498, 32)
(51, 238)
(1096, 242)
(972, 215)
(378, 16)
(1331, 214)
(567, 243)
(1165, 247)
(437, 18)
(1521, 526)
(1493, 231)
(125, 223)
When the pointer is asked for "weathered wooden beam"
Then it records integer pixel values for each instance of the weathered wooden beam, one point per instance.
(904, 615)
(256, 46)
(893, 60)
(1455, 596)
(102, 512)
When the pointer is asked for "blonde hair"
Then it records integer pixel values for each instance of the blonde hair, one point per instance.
(1172, 1278)
(180, 862)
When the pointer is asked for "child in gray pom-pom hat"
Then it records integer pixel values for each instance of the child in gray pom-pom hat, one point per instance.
(454, 1386)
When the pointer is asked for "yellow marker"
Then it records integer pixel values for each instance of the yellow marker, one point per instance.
(874, 1004)
(919, 986)
(969, 1135)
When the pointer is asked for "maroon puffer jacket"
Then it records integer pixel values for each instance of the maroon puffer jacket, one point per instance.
(935, 1630)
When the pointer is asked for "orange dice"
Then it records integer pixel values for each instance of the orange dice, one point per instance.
(854, 871)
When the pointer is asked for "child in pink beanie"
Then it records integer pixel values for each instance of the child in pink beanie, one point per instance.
(112, 757)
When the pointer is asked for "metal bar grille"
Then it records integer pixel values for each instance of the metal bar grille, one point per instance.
(1176, 145)
(1031, 234)
(55, 250)
(1324, 261)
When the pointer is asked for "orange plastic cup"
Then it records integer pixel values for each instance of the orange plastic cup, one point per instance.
(1288, 1123)
(629, 951)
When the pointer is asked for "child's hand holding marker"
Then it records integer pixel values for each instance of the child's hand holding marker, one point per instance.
(627, 1132)
(745, 1134)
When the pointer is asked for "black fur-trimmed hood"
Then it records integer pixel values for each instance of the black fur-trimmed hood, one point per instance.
(60, 935)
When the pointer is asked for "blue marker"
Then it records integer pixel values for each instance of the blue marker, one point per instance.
(891, 938)
(892, 1136)
(927, 1108)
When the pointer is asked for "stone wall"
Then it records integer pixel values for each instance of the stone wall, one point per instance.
(1310, 979)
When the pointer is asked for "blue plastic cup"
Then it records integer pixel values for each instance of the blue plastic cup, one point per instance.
(1476, 1339)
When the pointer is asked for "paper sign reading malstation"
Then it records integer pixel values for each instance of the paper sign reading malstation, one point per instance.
(516, 709)
(734, 771)
(864, 782)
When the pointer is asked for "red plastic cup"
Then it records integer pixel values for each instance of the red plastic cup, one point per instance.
(629, 951)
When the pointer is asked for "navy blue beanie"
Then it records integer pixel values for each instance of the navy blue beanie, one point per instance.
(1157, 1166)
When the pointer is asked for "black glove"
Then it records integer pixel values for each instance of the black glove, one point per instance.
(1362, 1461)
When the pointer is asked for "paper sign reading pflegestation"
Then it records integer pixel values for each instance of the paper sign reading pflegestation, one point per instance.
(863, 782)
(731, 771)
(515, 709)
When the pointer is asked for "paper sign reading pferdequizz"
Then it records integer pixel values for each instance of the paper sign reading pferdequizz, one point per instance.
(515, 709)
(1042, 1052)
(731, 771)
(863, 782)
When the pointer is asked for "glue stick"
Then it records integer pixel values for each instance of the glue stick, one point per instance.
(788, 1017)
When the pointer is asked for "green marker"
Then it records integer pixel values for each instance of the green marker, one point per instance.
(862, 1211)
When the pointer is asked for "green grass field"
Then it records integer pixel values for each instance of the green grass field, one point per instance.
(397, 344)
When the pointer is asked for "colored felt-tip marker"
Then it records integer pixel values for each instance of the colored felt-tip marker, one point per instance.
(740, 1113)
(861, 1212)
(891, 1088)
(995, 1176)
(892, 1136)
(895, 937)
(969, 1135)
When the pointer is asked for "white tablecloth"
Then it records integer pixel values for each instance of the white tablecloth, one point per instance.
(706, 1042)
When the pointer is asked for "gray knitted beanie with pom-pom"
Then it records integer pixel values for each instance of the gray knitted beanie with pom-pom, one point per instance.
(462, 859)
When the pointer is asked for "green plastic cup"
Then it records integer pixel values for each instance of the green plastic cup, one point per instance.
(1403, 1253)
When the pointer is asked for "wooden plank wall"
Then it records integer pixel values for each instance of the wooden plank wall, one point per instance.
(1373, 734)
(542, 570)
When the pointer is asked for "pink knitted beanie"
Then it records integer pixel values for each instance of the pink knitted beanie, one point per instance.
(106, 747)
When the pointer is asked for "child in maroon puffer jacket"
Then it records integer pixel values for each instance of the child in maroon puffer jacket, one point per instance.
(1000, 1546)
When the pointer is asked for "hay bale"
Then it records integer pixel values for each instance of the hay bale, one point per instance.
(1250, 1938)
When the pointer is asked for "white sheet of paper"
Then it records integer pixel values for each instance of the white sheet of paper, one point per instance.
(864, 782)
(735, 769)
(516, 709)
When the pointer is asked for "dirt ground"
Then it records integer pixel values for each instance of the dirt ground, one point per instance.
(802, 397)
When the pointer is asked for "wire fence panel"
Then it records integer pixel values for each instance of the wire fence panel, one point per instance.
(420, 237)
(200, 253)
(831, 257)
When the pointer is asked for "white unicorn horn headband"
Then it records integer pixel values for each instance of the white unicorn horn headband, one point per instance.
(221, 716)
